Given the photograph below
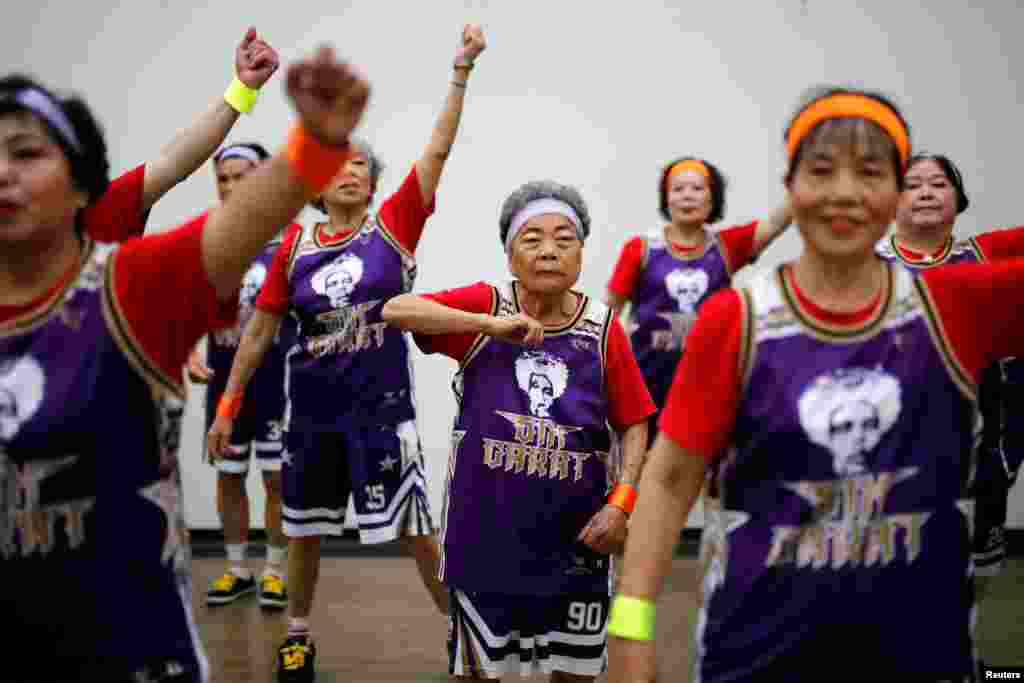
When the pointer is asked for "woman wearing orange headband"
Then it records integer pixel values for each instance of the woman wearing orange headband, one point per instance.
(830, 408)
(667, 273)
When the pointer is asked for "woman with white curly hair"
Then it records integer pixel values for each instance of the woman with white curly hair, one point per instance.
(549, 393)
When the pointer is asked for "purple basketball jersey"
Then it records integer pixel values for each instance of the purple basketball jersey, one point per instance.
(267, 384)
(671, 288)
(838, 522)
(90, 514)
(347, 362)
(998, 400)
(966, 251)
(530, 461)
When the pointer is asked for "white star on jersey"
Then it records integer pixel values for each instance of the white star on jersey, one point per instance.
(165, 495)
(718, 524)
(388, 464)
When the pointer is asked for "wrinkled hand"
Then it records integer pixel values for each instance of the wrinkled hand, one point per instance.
(255, 60)
(518, 329)
(197, 370)
(606, 531)
(329, 96)
(219, 437)
(473, 44)
(631, 661)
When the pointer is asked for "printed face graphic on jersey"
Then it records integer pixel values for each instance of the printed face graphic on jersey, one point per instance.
(686, 286)
(338, 279)
(543, 377)
(848, 411)
(251, 284)
(21, 394)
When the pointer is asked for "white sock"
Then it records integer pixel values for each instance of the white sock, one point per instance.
(298, 626)
(236, 558)
(275, 560)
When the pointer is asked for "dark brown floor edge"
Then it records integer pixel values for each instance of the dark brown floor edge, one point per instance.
(210, 543)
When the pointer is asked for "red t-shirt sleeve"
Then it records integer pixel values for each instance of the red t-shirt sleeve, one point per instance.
(700, 411)
(628, 268)
(738, 243)
(165, 298)
(475, 298)
(273, 296)
(978, 306)
(404, 213)
(117, 215)
(629, 401)
(1002, 244)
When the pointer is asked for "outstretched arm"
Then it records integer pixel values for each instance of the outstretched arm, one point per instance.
(431, 164)
(255, 62)
(772, 226)
(203, 261)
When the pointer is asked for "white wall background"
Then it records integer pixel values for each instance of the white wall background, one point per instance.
(599, 95)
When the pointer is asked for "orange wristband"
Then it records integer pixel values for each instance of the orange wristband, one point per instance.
(316, 164)
(623, 497)
(229, 405)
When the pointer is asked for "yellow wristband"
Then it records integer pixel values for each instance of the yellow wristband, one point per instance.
(241, 97)
(632, 618)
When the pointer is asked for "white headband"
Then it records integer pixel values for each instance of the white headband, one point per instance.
(539, 207)
(239, 152)
(41, 104)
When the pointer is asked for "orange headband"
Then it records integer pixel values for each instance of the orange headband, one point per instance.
(695, 165)
(844, 106)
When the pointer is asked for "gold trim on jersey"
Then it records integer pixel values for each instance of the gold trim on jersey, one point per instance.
(928, 261)
(342, 242)
(693, 255)
(978, 251)
(645, 251)
(37, 315)
(961, 378)
(481, 338)
(606, 333)
(843, 334)
(300, 237)
(385, 231)
(122, 335)
(748, 346)
(556, 330)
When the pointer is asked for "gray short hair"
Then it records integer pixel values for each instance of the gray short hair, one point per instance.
(365, 150)
(542, 189)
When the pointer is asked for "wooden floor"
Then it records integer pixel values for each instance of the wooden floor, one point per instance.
(373, 621)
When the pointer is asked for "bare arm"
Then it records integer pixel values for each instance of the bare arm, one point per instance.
(634, 453)
(431, 164)
(257, 339)
(669, 488)
(255, 62)
(422, 316)
(771, 227)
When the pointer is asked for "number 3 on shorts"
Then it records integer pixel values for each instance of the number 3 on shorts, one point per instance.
(585, 616)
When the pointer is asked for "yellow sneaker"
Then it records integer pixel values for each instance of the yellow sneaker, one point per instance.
(227, 588)
(273, 593)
